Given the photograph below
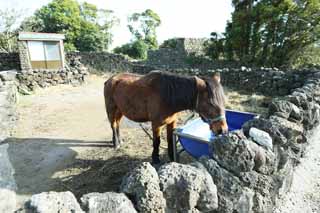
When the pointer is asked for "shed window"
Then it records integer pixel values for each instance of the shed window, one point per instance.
(45, 54)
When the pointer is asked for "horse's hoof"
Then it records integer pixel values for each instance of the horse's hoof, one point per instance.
(156, 162)
(157, 165)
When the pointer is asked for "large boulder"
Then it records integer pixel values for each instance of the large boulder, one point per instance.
(8, 201)
(294, 133)
(265, 125)
(107, 202)
(233, 152)
(232, 195)
(285, 109)
(53, 202)
(187, 188)
(142, 186)
(264, 159)
(9, 75)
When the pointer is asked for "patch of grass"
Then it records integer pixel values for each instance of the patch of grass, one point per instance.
(247, 102)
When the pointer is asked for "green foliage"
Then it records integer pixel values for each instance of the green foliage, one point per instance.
(310, 56)
(137, 49)
(86, 27)
(8, 31)
(143, 27)
(268, 32)
(214, 48)
(195, 60)
(170, 43)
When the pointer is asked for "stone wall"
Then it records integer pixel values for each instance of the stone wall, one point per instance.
(9, 61)
(73, 73)
(270, 82)
(8, 117)
(265, 81)
(8, 99)
(24, 55)
(179, 55)
(101, 61)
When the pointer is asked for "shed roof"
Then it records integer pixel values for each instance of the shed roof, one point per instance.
(41, 36)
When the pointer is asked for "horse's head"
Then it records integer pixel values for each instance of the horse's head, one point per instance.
(211, 104)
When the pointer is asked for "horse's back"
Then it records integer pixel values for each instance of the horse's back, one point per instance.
(132, 94)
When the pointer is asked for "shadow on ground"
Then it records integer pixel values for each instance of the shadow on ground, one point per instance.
(44, 164)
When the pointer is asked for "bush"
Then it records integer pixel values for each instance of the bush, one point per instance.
(170, 43)
(137, 49)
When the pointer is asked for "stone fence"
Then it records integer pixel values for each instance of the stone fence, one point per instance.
(9, 61)
(101, 61)
(8, 99)
(73, 73)
(271, 82)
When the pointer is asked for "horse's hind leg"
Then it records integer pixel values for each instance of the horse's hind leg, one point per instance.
(115, 119)
(118, 117)
(156, 130)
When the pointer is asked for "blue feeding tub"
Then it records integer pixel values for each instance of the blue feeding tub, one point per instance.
(195, 136)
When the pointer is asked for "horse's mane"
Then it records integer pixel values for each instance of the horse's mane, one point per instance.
(215, 93)
(178, 92)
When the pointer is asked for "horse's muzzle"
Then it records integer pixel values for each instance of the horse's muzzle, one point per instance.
(222, 132)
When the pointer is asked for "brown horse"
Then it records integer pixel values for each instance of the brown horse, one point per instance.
(158, 97)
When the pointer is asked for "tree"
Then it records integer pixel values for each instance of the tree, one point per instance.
(137, 49)
(268, 32)
(214, 47)
(8, 31)
(86, 27)
(143, 27)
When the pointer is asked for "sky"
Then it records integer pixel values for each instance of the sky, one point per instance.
(180, 18)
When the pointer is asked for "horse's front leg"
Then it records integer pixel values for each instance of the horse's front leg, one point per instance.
(156, 130)
(170, 128)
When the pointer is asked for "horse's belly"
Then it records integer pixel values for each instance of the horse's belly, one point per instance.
(133, 103)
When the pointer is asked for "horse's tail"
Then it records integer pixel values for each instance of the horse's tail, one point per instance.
(107, 92)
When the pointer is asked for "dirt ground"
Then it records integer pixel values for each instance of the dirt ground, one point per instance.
(62, 141)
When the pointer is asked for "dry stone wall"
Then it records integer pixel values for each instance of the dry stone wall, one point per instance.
(8, 99)
(24, 57)
(271, 82)
(101, 61)
(73, 73)
(9, 61)
(179, 55)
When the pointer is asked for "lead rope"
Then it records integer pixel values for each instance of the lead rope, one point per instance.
(145, 131)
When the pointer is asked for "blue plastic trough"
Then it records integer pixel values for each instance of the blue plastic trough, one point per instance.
(195, 136)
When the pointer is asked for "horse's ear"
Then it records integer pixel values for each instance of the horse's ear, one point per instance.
(216, 76)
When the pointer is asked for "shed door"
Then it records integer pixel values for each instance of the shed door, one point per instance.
(37, 57)
(45, 54)
(52, 54)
